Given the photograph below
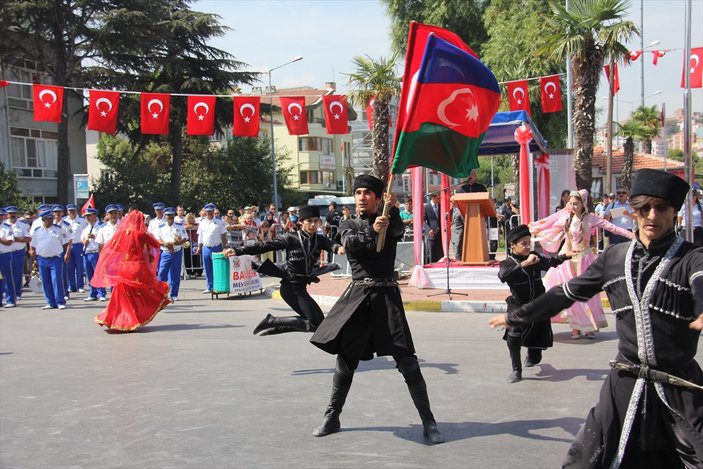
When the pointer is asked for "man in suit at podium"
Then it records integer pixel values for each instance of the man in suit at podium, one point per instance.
(433, 228)
(470, 186)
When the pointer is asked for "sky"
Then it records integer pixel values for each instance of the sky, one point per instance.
(329, 33)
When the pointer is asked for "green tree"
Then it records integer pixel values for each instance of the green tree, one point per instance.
(631, 130)
(589, 32)
(377, 80)
(10, 193)
(650, 121)
(513, 56)
(463, 17)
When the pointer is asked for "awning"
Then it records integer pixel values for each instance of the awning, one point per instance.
(500, 138)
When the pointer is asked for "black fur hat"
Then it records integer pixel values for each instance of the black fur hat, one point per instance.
(308, 211)
(516, 233)
(367, 181)
(660, 184)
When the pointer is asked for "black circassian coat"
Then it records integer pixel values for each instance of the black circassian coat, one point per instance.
(525, 285)
(302, 252)
(381, 305)
(655, 293)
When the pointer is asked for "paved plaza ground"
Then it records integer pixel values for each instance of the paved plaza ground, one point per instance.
(195, 389)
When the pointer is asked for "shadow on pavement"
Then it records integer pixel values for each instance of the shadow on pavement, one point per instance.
(549, 373)
(381, 363)
(565, 338)
(185, 327)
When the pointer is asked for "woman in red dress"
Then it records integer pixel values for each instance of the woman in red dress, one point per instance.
(128, 264)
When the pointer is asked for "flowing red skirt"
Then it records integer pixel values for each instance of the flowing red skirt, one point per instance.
(131, 307)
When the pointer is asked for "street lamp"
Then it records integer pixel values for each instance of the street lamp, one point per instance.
(273, 144)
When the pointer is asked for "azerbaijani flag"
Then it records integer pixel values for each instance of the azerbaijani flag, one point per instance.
(455, 99)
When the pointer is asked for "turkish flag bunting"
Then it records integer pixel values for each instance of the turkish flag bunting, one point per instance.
(369, 112)
(4, 83)
(635, 54)
(518, 96)
(102, 113)
(695, 61)
(656, 54)
(293, 109)
(336, 118)
(246, 116)
(201, 115)
(48, 102)
(155, 111)
(550, 92)
(616, 78)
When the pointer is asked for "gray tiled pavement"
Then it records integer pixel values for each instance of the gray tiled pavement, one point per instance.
(195, 389)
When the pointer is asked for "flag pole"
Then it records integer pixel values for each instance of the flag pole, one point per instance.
(386, 210)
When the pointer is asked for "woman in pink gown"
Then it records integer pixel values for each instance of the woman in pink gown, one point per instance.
(574, 225)
(128, 264)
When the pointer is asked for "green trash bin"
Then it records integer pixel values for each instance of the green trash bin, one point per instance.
(220, 271)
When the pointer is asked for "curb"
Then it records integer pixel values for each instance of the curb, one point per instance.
(438, 306)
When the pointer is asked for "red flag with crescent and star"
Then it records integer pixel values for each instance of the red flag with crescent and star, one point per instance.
(88, 203)
(293, 109)
(518, 96)
(155, 111)
(102, 113)
(550, 92)
(417, 40)
(616, 77)
(201, 115)
(695, 61)
(246, 116)
(48, 102)
(336, 118)
(656, 54)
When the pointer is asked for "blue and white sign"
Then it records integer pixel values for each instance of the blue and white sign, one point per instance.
(81, 188)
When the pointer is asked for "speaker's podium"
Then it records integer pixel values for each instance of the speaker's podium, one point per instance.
(475, 207)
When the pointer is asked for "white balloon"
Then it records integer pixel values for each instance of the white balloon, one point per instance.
(442, 108)
(295, 106)
(51, 93)
(155, 101)
(200, 104)
(104, 100)
(334, 104)
(247, 106)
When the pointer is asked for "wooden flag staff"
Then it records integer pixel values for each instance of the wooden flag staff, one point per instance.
(386, 210)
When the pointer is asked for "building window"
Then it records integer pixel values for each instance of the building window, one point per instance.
(326, 146)
(326, 178)
(20, 96)
(34, 152)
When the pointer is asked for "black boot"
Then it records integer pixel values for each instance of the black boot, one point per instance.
(341, 383)
(278, 330)
(534, 356)
(514, 349)
(267, 323)
(410, 369)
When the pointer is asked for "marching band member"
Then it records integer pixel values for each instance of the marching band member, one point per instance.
(20, 231)
(91, 252)
(59, 220)
(6, 241)
(38, 221)
(155, 223)
(76, 225)
(50, 245)
(107, 230)
(171, 236)
(212, 236)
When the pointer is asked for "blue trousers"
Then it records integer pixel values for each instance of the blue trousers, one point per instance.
(170, 269)
(75, 268)
(8, 279)
(91, 260)
(207, 262)
(51, 272)
(18, 270)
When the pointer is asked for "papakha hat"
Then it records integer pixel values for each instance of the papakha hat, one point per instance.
(516, 233)
(309, 211)
(368, 181)
(661, 184)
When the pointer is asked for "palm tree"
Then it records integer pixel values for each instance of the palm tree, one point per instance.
(649, 118)
(590, 32)
(631, 130)
(377, 80)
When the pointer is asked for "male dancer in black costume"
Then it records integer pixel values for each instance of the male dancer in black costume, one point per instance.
(303, 249)
(650, 411)
(522, 271)
(369, 316)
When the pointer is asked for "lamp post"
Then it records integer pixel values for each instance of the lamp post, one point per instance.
(273, 144)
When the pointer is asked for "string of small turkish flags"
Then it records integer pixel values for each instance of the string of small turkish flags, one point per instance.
(103, 107)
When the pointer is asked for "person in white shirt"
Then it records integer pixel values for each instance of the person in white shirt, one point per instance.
(171, 237)
(696, 218)
(50, 244)
(59, 219)
(7, 239)
(180, 218)
(91, 252)
(37, 222)
(20, 232)
(625, 221)
(108, 229)
(155, 222)
(212, 236)
(76, 225)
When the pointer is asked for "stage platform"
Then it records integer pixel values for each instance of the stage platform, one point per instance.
(461, 277)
